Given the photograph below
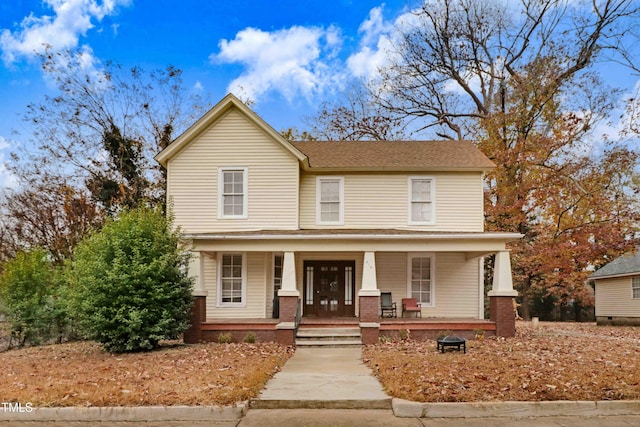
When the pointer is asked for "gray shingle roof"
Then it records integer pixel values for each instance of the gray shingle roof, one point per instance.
(625, 264)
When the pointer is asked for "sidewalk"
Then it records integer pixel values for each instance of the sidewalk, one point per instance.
(323, 378)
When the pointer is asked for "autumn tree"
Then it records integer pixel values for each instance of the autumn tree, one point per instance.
(355, 116)
(522, 82)
(103, 126)
(54, 216)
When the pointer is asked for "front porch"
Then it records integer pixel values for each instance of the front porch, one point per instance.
(333, 278)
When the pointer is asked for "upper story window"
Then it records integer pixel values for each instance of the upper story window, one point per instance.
(635, 287)
(421, 200)
(330, 200)
(232, 192)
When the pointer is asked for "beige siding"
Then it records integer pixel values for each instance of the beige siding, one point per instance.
(381, 201)
(237, 142)
(456, 285)
(613, 298)
(256, 288)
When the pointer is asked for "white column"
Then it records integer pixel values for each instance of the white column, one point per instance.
(369, 281)
(196, 270)
(502, 282)
(289, 285)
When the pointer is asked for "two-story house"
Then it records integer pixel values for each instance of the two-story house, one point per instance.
(327, 226)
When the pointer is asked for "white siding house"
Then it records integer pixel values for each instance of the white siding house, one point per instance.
(320, 229)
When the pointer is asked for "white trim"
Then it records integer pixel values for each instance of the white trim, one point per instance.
(637, 287)
(319, 180)
(432, 256)
(432, 182)
(219, 302)
(245, 191)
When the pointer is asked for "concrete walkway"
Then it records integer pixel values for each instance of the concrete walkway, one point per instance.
(321, 377)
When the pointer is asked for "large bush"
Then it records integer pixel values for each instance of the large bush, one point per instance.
(130, 286)
(28, 297)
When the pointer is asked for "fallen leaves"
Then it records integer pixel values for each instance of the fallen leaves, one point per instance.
(556, 361)
(82, 374)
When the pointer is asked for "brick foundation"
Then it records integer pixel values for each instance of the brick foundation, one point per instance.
(286, 336)
(501, 312)
(198, 315)
(369, 335)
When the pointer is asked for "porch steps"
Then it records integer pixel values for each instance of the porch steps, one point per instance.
(308, 336)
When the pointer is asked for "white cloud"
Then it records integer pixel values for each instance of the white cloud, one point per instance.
(62, 30)
(294, 61)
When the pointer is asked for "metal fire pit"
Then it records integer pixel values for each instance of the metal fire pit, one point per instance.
(451, 341)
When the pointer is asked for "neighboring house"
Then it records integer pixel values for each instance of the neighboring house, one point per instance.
(618, 291)
(327, 226)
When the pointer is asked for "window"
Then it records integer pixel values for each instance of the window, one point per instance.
(232, 190)
(330, 200)
(231, 283)
(421, 200)
(277, 272)
(420, 272)
(635, 287)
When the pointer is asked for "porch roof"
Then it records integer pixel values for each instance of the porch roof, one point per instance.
(353, 234)
(473, 244)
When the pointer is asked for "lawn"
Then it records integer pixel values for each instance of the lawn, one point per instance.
(82, 374)
(556, 361)
(553, 362)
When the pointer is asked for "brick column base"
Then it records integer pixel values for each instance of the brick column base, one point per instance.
(288, 307)
(193, 335)
(369, 308)
(501, 312)
(285, 336)
(369, 326)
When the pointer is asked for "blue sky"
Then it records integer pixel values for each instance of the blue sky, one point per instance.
(286, 56)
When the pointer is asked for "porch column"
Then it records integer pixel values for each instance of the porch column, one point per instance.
(501, 296)
(198, 313)
(288, 295)
(369, 296)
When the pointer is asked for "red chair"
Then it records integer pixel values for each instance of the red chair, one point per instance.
(410, 305)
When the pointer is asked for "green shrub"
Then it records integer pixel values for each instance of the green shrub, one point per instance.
(28, 297)
(250, 338)
(130, 286)
(225, 338)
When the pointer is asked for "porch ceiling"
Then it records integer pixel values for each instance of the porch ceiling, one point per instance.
(474, 244)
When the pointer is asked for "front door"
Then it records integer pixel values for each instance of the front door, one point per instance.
(329, 288)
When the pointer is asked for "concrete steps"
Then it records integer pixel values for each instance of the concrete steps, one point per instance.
(328, 337)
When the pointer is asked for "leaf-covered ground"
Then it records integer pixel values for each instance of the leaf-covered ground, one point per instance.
(82, 374)
(556, 361)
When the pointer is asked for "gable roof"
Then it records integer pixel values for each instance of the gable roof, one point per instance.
(221, 108)
(394, 155)
(622, 266)
(347, 155)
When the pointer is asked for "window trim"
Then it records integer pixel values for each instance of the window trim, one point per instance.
(432, 256)
(245, 195)
(219, 302)
(636, 287)
(410, 180)
(319, 180)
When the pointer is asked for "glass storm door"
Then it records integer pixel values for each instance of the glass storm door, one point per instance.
(329, 287)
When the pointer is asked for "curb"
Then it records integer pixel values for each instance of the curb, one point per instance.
(408, 409)
(124, 413)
